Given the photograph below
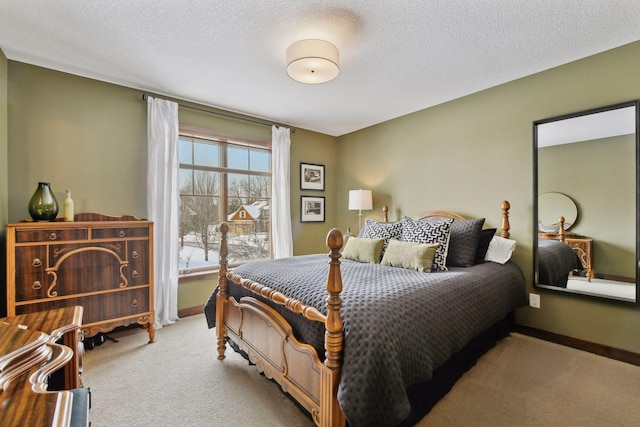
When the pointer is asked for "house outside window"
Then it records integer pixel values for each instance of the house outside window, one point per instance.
(223, 180)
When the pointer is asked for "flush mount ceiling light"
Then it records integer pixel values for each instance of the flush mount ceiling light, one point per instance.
(312, 61)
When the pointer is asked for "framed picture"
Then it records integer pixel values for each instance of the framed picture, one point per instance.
(311, 177)
(311, 209)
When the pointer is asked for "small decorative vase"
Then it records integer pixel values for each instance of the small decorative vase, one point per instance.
(43, 205)
(68, 207)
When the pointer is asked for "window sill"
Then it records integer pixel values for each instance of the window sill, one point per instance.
(197, 276)
(201, 275)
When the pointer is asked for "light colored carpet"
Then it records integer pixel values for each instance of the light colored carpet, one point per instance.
(178, 381)
(597, 287)
(525, 381)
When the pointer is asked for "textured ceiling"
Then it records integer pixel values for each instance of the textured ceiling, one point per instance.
(396, 57)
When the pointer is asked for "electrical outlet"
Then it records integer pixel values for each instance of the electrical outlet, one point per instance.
(534, 300)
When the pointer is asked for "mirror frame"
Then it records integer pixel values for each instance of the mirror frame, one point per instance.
(634, 103)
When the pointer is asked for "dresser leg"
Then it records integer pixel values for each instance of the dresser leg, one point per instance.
(151, 329)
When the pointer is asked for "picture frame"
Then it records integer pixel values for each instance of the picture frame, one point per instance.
(311, 209)
(311, 177)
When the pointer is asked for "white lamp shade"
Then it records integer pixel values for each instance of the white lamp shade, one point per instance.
(360, 200)
(312, 61)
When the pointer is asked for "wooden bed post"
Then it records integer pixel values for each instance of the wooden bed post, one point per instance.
(330, 412)
(222, 296)
(505, 220)
(561, 229)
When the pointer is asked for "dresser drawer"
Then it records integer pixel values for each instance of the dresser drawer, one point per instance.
(47, 235)
(87, 255)
(119, 232)
(31, 259)
(138, 251)
(138, 268)
(98, 308)
(31, 286)
(137, 274)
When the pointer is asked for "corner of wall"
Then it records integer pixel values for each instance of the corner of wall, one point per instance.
(4, 175)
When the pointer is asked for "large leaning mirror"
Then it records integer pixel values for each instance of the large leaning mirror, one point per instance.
(585, 205)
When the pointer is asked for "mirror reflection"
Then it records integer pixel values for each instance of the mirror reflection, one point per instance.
(585, 207)
(555, 209)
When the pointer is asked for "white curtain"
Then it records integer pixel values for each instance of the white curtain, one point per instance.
(280, 194)
(162, 204)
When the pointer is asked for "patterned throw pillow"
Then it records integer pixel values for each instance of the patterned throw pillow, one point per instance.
(429, 232)
(381, 230)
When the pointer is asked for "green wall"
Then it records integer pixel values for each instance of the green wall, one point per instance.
(79, 134)
(90, 136)
(469, 154)
(599, 176)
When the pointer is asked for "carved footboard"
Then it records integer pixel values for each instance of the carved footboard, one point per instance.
(268, 339)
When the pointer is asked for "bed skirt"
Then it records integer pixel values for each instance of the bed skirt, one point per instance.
(424, 396)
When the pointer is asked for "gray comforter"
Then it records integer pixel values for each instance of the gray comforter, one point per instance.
(555, 261)
(399, 324)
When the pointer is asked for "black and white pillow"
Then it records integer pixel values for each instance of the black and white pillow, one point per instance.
(381, 230)
(429, 232)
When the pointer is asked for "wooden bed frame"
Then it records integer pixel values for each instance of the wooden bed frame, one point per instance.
(267, 337)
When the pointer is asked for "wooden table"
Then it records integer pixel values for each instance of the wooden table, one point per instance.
(30, 354)
(60, 323)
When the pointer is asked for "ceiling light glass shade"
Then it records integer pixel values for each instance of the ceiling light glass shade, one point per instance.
(312, 61)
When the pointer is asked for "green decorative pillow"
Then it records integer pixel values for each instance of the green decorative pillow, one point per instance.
(410, 255)
(363, 250)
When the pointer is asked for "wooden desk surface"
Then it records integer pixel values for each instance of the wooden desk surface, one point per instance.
(53, 322)
(30, 356)
(62, 324)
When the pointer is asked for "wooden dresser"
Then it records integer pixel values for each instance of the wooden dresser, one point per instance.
(583, 247)
(99, 262)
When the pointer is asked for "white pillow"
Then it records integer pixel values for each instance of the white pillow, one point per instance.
(500, 250)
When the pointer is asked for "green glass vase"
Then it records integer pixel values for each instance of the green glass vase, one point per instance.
(43, 205)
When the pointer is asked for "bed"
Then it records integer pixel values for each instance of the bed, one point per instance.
(362, 343)
(556, 260)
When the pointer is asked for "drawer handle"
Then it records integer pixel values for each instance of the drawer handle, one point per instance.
(135, 255)
(134, 303)
(122, 233)
(36, 263)
(135, 273)
(53, 236)
(36, 285)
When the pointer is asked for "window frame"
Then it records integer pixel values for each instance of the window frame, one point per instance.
(224, 141)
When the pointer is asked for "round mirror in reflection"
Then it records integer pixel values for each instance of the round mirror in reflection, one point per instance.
(552, 206)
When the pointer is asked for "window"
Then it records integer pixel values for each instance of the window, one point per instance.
(223, 181)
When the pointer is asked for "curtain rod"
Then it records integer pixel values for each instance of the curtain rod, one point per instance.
(229, 116)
